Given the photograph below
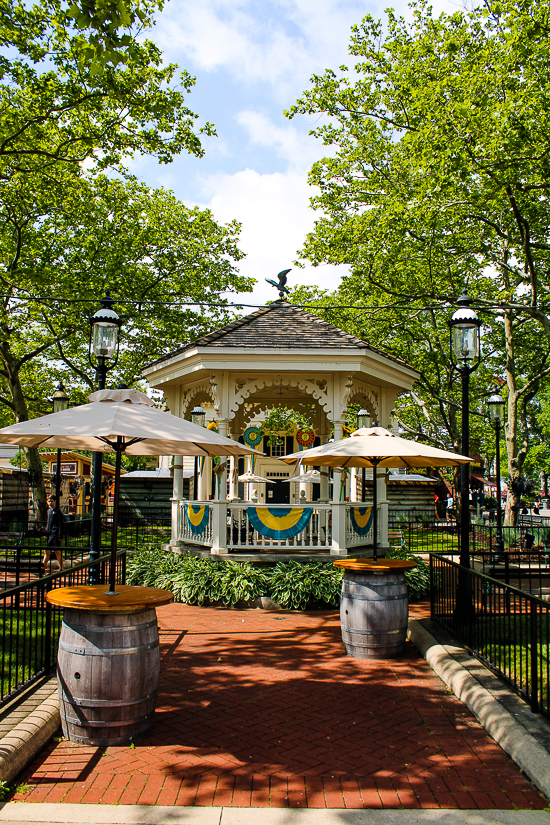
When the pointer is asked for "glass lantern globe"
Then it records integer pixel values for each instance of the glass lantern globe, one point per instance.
(465, 331)
(60, 399)
(496, 409)
(363, 419)
(198, 415)
(105, 327)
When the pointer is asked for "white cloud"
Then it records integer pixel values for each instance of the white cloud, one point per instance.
(276, 43)
(274, 211)
(296, 147)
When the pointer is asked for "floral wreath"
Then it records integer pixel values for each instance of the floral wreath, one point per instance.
(305, 438)
(252, 436)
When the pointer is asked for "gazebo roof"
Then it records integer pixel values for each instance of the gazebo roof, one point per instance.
(279, 326)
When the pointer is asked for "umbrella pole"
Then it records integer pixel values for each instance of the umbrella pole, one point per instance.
(112, 567)
(374, 511)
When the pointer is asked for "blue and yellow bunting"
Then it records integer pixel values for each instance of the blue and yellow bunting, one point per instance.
(361, 519)
(197, 517)
(280, 522)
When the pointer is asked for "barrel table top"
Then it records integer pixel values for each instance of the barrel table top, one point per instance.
(384, 566)
(94, 597)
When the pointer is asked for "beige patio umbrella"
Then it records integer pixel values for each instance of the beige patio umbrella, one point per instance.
(311, 477)
(121, 421)
(248, 476)
(376, 447)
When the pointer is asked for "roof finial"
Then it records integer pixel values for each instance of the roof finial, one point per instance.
(281, 285)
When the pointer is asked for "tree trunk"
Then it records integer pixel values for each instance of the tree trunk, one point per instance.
(515, 457)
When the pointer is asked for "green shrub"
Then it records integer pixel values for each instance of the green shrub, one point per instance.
(147, 564)
(418, 579)
(200, 580)
(297, 586)
(293, 585)
(195, 580)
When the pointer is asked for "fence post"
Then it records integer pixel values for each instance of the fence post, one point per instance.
(534, 697)
(431, 586)
(48, 636)
(17, 574)
(338, 547)
(219, 527)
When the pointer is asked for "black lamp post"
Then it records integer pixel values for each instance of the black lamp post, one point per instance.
(60, 403)
(363, 420)
(496, 417)
(198, 416)
(466, 356)
(103, 354)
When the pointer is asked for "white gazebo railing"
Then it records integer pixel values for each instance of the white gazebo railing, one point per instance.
(359, 524)
(196, 522)
(265, 527)
(334, 528)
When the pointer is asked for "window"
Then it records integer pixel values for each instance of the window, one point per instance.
(278, 448)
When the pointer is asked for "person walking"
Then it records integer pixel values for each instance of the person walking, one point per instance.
(54, 533)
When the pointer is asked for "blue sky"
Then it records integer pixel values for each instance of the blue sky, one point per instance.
(252, 60)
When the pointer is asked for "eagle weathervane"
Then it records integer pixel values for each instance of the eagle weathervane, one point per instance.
(281, 286)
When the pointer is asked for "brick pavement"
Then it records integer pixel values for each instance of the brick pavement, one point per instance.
(264, 709)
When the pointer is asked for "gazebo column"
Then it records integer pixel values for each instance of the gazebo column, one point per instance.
(338, 547)
(337, 477)
(233, 488)
(177, 495)
(219, 505)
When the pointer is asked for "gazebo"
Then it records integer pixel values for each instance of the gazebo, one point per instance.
(277, 356)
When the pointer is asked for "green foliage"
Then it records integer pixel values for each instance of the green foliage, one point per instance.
(283, 420)
(438, 178)
(418, 579)
(199, 581)
(4, 789)
(298, 586)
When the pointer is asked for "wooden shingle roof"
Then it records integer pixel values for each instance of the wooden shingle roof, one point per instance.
(278, 326)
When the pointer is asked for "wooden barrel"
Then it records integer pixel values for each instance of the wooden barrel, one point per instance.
(374, 612)
(108, 673)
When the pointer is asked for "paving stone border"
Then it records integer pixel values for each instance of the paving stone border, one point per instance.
(21, 744)
(524, 736)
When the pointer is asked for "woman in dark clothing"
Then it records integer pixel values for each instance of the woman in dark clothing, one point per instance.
(54, 533)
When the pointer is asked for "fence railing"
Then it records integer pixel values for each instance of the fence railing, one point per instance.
(506, 628)
(31, 626)
(422, 531)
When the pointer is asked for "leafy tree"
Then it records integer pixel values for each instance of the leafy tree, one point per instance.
(65, 98)
(62, 246)
(440, 177)
(80, 92)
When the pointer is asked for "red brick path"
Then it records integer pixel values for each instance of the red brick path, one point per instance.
(265, 709)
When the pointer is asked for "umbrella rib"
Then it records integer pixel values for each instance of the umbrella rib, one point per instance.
(126, 444)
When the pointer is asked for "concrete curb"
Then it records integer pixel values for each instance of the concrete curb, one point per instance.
(27, 738)
(67, 813)
(499, 723)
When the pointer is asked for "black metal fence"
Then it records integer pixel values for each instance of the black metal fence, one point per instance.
(420, 531)
(506, 628)
(31, 626)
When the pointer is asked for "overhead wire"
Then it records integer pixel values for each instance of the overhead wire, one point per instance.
(173, 301)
